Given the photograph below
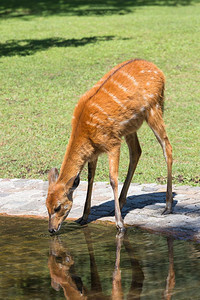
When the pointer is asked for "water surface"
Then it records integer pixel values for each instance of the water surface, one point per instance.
(92, 263)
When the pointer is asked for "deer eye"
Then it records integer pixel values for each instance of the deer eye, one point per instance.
(57, 209)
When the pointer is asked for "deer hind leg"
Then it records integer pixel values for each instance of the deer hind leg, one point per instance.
(156, 123)
(113, 156)
(134, 154)
(91, 172)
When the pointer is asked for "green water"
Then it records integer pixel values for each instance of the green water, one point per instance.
(92, 263)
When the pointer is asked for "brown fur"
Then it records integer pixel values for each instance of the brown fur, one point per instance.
(115, 107)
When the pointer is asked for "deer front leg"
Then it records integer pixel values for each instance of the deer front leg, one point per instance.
(113, 156)
(91, 173)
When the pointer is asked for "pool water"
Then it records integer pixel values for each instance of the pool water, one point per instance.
(91, 262)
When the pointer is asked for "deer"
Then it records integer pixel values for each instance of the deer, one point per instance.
(115, 108)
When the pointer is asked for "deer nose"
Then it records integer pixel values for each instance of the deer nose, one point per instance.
(51, 230)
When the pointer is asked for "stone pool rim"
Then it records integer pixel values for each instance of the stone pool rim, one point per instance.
(26, 198)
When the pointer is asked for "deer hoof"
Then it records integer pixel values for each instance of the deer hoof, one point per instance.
(167, 211)
(81, 221)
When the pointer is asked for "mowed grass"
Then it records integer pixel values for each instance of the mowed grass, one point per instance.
(51, 55)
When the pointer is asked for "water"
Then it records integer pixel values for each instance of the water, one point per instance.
(92, 263)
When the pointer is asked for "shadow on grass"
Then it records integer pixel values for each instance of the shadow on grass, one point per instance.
(21, 8)
(29, 47)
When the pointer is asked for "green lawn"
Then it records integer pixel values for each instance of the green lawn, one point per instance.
(51, 52)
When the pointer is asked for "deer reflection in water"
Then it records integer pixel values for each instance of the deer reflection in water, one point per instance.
(170, 282)
(61, 267)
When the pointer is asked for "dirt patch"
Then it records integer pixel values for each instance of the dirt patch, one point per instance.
(179, 179)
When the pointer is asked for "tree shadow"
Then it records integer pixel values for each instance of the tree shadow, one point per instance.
(29, 46)
(21, 8)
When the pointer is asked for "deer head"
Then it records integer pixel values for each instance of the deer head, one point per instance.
(59, 199)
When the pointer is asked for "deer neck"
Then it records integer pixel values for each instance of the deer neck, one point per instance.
(78, 152)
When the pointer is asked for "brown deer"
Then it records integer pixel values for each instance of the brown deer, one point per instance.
(115, 107)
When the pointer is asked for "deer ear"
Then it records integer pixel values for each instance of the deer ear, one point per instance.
(73, 182)
(76, 182)
(53, 175)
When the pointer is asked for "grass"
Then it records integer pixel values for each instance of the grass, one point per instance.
(51, 53)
